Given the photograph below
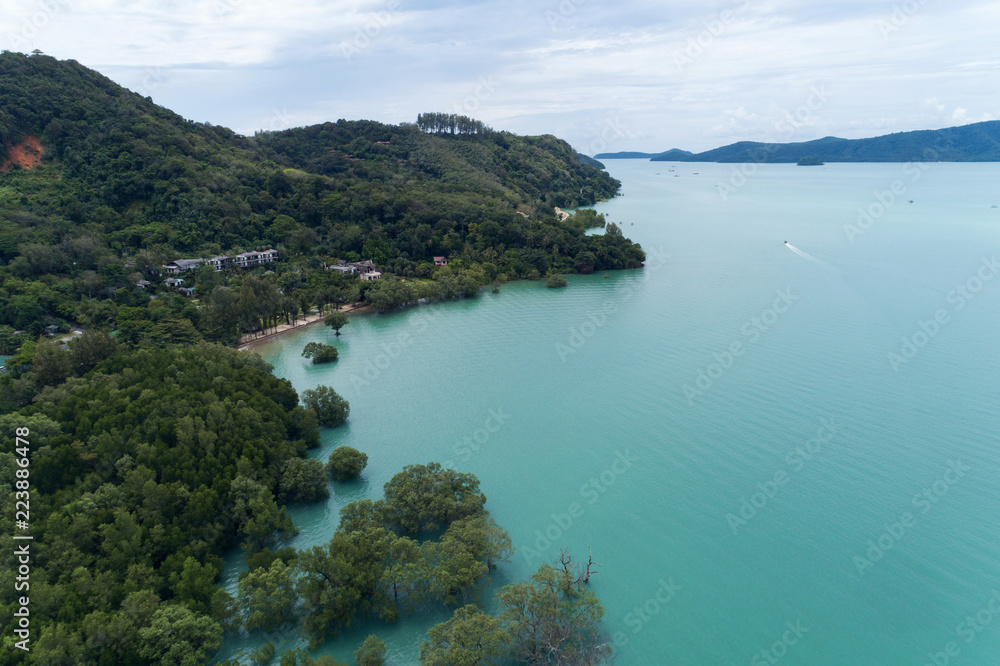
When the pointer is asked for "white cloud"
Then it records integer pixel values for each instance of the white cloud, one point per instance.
(564, 64)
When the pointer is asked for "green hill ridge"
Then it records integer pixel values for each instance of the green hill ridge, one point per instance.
(124, 185)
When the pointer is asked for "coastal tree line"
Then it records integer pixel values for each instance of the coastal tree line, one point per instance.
(151, 463)
(126, 186)
(160, 448)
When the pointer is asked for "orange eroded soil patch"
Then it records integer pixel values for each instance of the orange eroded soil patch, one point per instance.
(27, 154)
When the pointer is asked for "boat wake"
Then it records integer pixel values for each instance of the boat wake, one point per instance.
(804, 255)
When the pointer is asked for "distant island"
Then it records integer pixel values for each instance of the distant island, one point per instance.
(810, 160)
(624, 156)
(673, 155)
(978, 142)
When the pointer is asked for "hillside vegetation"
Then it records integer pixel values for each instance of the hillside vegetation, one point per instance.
(125, 185)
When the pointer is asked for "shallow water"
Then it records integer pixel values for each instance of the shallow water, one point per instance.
(644, 411)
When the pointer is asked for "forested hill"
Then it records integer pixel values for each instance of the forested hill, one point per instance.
(100, 186)
(978, 142)
(140, 163)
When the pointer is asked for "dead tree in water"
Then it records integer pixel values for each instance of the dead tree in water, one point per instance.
(583, 574)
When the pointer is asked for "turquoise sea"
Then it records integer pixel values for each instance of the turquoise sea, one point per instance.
(725, 429)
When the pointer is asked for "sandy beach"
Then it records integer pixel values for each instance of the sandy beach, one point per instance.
(248, 340)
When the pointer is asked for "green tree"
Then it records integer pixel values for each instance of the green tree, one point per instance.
(51, 363)
(177, 636)
(555, 282)
(469, 638)
(194, 585)
(331, 409)
(267, 596)
(385, 295)
(371, 653)
(554, 618)
(346, 463)
(339, 581)
(362, 514)
(454, 570)
(484, 538)
(221, 315)
(223, 609)
(423, 498)
(405, 580)
(174, 332)
(300, 657)
(8, 341)
(319, 352)
(89, 349)
(303, 480)
(263, 655)
(336, 321)
(23, 357)
(264, 520)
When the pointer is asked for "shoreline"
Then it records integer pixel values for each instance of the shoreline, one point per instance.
(246, 343)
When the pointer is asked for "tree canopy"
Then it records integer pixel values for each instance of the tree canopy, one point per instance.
(320, 353)
(147, 469)
(346, 463)
(125, 186)
(331, 409)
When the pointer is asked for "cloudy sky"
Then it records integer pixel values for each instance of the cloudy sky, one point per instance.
(607, 76)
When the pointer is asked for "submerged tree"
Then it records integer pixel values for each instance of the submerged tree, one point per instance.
(427, 497)
(469, 637)
(267, 596)
(331, 409)
(336, 321)
(554, 618)
(320, 353)
(371, 653)
(302, 480)
(346, 463)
